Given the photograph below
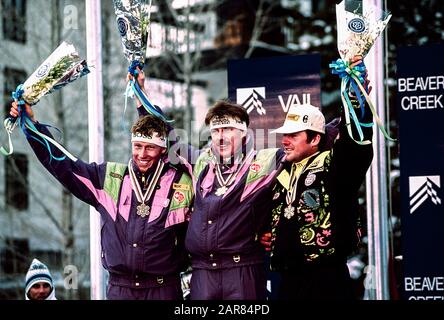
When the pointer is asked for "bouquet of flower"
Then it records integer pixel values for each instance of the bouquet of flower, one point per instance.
(62, 67)
(358, 28)
(133, 21)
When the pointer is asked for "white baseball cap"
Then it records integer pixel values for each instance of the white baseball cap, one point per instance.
(303, 117)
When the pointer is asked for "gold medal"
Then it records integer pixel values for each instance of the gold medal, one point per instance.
(143, 210)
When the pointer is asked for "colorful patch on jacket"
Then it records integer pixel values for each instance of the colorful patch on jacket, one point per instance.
(312, 209)
(113, 179)
(179, 196)
(182, 196)
(310, 200)
(262, 165)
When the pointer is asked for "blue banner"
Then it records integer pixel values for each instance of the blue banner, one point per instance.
(421, 137)
(267, 87)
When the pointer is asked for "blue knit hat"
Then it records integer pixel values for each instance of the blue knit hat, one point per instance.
(38, 272)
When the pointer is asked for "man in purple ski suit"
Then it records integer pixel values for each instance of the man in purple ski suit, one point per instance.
(144, 206)
(231, 209)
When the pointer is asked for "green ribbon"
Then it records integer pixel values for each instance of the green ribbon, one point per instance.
(353, 77)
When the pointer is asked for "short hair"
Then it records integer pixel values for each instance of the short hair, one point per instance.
(148, 124)
(225, 108)
(312, 134)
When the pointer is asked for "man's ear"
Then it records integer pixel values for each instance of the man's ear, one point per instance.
(163, 151)
(316, 140)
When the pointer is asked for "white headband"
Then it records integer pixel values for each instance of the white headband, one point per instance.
(156, 139)
(227, 122)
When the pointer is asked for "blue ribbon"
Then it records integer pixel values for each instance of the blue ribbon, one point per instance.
(134, 85)
(352, 81)
(354, 78)
(26, 123)
(18, 93)
(132, 69)
(343, 70)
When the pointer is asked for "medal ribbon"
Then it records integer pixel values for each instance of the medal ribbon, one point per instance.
(295, 173)
(141, 198)
(226, 182)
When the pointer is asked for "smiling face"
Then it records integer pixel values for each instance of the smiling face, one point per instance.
(226, 142)
(146, 154)
(297, 147)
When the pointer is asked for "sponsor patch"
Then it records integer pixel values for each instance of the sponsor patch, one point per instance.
(255, 167)
(179, 196)
(316, 170)
(314, 163)
(310, 199)
(310, 179)
(181, 186)
(116, 175)
(293, 117)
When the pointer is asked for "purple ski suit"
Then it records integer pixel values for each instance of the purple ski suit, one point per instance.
(144, 256)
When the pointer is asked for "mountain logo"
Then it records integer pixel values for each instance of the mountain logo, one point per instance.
(251, 99)
(422, 188)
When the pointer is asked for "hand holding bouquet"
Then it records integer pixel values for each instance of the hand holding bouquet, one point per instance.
(358, 28)
(62, 67)
(133, 20)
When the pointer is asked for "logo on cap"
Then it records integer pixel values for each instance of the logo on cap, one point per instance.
(293, 117)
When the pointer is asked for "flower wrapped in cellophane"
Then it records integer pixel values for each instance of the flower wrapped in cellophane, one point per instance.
(358, 28)
(63, 66)
(133, 23)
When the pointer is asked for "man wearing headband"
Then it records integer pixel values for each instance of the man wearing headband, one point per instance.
(231, 210)
(144, 208)
(232, 193)
(233, 203)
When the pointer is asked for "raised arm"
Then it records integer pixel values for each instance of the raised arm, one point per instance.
(80, 178)
(187, 151)
(353, 159)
